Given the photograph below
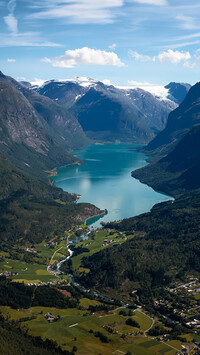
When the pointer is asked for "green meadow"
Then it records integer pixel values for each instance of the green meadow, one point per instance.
(74, 329)
(27, 272)
(54, 252)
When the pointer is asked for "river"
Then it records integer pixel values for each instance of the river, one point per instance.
(105, 180)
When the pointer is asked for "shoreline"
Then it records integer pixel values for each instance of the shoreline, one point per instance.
(54, 172)
(78, 196)
(97, 215)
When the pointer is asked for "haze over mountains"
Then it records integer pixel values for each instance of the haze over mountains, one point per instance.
(108, 113)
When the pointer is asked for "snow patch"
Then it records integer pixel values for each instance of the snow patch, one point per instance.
(77, 97)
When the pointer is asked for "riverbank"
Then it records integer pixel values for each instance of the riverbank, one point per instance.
(54, 172)
(95, 216)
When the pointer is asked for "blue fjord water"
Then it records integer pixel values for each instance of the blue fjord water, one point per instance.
(105, 180)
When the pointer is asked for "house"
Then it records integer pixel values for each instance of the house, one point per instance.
(51, 318)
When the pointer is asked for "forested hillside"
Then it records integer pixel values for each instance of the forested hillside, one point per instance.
(31, 209)
(165, 247)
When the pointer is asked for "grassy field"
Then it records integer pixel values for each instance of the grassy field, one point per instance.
(33, 272)
(54, 251)
(102, 237)
(74, 329)
(27, 272)
(86, 302)
(145, 346)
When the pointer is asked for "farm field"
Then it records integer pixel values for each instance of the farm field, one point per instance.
(77, 328)
(52, 251)
(33, 272)
(27, 272)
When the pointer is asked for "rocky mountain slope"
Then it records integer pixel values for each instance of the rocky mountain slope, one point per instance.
(180, 122)
(109, 113)
(178, 170)
(35, 132)
(177, 91)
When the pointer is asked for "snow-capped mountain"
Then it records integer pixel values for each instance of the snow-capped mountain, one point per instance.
(107, 112)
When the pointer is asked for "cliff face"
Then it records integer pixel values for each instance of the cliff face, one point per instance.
(19, 120)
(35, 132)
(60, 120)
(179, 123)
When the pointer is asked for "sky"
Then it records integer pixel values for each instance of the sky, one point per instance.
(123, 42)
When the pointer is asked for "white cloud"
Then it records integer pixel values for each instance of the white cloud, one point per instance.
(140, 57)
(37, 82)
(87, 56)
(181, 45)
(112, 46)
(173, 57)
(11, 60)
(193, 35)
(154, 89)
(169, 56)
(152, 2)
(107, 82)
(189, 65)
(77, 11)
(182, 41)
(195, 61)
(187, 22)
(10, 20)
(26, 39)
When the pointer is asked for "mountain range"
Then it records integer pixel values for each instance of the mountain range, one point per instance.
(109, 113)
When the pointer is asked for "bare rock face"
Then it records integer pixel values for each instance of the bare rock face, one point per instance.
(18, 116)
(35, 132)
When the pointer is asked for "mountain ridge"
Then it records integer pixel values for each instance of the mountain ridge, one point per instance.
(36, 133)
(180, 121)
(145, 114)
